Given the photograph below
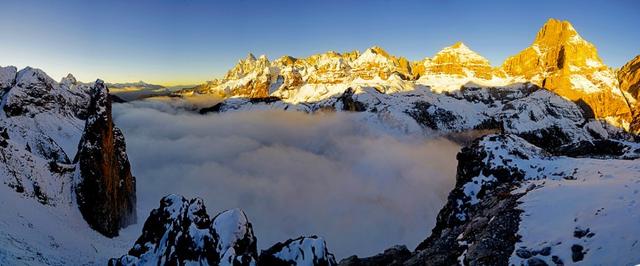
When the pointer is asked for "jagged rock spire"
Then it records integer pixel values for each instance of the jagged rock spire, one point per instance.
(106, 190)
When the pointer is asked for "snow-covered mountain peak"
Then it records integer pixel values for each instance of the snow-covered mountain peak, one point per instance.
(375, 55)
(454, 66)
(32, 76)
(556, 31)
(247, 66)
(561, 61)
(460, 52)
(250, 57)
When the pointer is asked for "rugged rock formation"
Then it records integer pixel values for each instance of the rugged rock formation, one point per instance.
(249, 78)
(42, 124)
(106, 190)
(457, 59)
(180, 232)
(538, 115)
(629, 78)
(375, 62)
(560, 60)
(516, 204)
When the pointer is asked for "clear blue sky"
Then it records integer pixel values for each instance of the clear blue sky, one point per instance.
(192, 41)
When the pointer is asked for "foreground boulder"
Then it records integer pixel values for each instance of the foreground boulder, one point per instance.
(300, 251)
(181, 232)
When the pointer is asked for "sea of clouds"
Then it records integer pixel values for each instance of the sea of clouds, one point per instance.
(362, 187)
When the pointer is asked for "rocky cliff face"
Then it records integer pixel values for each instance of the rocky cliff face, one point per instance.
(43, 122)
(629, 78)
(106, 190)
(561, 60)
(180, 232)
(517, 204)
(459, 60)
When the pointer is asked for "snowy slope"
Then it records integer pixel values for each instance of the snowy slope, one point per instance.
(35, 234)
(569, 204)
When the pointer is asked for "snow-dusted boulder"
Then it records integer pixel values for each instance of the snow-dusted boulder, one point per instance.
(310, 250)
(180, 232)
(236, 242)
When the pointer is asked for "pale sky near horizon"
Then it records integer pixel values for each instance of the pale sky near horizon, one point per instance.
(191, 41)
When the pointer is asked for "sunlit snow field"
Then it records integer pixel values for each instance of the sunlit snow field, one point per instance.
(362, 187)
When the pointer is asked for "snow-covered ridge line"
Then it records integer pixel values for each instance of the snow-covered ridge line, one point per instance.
(536, 114)
(579, 76)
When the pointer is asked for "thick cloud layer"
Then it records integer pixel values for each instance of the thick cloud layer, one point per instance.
(359, 186)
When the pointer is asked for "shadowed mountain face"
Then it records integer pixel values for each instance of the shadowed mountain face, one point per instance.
(558, 59)
(106, 192)
(46, 125)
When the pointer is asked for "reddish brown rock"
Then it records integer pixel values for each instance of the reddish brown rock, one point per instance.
(106, 190)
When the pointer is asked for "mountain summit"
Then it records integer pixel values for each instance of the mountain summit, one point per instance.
(458, 59)
(562, 61)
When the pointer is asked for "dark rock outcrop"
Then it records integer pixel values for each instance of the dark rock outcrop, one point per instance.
(300, 251)
(393, 256)
(180, 232)
(349, 103)
(106, 190)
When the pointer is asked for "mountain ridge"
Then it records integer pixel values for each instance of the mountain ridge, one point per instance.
(559, 59)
